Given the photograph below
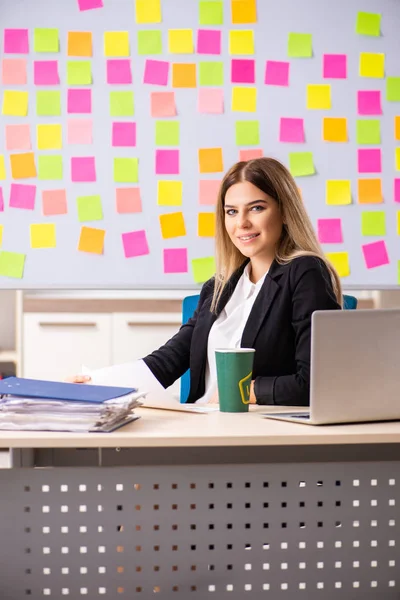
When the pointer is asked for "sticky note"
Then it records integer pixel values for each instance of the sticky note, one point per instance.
(128, 200)
(22, 196)
(172, 225)
(16, 41)
(398, 224)
(206, 224)
(149, 42)
(319, 96)
(1, 208)
(119, 71)
(79, 72)
(203, 269)
(373, 223)
(156, 72)
(89, 4)
(208, 191)
(121, 104)
(23, 165)
(241, 41)
(368, 23)
(126, 170)
(167, 162)
(244, 99)
(13, 71)
(396, 190)
(368, 131)
(43, 235)
(80, 43)
(250, 154)
(301, 164)
(338, 191)
(135, 243)
(393, 89)
(210, 160)
(167, 133)
(163, 104)
(124, 134)
(210, 100)
(50, 166)
(208, 41)
(2, 168)
(397, 128)
(397, 150)
(243, 11)
(370, 191)
(300, 45)
(184, 75)
(83, 168)
(91, 240)
(276, 73)
(291, 130)
(54, 202)
(247, 133)
(18, 137)
(211, 73)
(334, 129)
(79, 101)
(12, 264)
(169, 193)
(335, 66)
(330, 231)
(372, 64)
(45, 40)
(375, 254)
(148, 11)
(369, 160)
(369, 103)
(80, 131)
(242, 70)
(15, 104)
(48, 104)
(180, 41)
(175, 260)
(1, 226)
(49, 137)
(340, 260)
(89, 208)
(211, 12)
(116, 43)
(45, 72)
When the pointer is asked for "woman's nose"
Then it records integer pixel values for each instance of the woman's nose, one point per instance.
(243, 220)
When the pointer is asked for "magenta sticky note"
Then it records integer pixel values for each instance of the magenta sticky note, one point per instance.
(123, 134)
(369, 102)
(45, 72)
(208, 191)
(156, 72)
(22, 196)
(1, 200)
(330, 231)
(80, 131)
(209, 41)
(210, 100)
(83, 168)
(89, 4)
(335, 66)
(79, 101)
(375, 254)
(276, 73)
(135, 243)
(242, 70)
(369, 160)
(167, 162)
(397, 190)
(175, 260)
(119, 71)
(291, 130)
(16, 41)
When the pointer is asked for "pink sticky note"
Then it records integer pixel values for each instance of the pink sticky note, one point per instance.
(80, 131)
(208, 190)
(330, 231)
(369, 102)
(397, 190)
(375, 254)
(135, 243)
(242, 70)
(250, 153)
(335, 66)
(124, 134)
(369, 160)
(18, 137)
(54, 202)
(90, 4)
(79, 101)
(119, 71)
(175, 260)
(163, 104)
(276, 72)
(156, 72)
(16, 41)
(45, 72)
(83, 168)
(167, 162)
(13, 71)
(128, 200)
(210, 100)
(291, 130)
(22, 196)
(1, 200)
(209, 41)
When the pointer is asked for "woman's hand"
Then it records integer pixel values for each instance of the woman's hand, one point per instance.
(79, 379)
(214, 398)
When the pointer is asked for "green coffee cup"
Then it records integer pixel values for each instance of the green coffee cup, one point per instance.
(234, 373)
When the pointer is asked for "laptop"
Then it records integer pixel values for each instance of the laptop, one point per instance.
(355, 368)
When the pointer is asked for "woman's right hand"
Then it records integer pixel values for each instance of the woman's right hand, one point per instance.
(79, 379)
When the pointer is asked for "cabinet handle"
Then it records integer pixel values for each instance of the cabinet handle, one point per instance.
(61, 324)
(135, 323)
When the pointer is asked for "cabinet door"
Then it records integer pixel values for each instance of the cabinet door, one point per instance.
(55, 345)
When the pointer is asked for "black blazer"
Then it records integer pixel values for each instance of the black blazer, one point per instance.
(278, 327)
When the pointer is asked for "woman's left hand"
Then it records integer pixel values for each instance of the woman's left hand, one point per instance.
(215, 398)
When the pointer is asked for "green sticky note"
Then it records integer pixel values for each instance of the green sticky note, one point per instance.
(45, 40)
(167, 133)
(79, 72)
(126, 170)
(368, 24)
(398, 272)
(301, 164)
(50, 166)
(300, 45)
(368, 131)
(121, 104)
(211, 12)
(247, 133)
(149, 42)
(12, 264)
(211, 73)
(203, 268)
(89, 208)
(393, 89)
(373, 223)
(48, 104)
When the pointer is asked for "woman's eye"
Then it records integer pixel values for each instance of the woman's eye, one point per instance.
(230, 211)
(257, 208)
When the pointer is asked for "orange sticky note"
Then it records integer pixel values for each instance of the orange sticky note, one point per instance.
(397, 128)
(184, 75)
(370, 191)
(206, 224)
(244, 11)
(172, 225)
(91, 240)
(334, 129)
(23, 165)
(80, 43)
(210, 160)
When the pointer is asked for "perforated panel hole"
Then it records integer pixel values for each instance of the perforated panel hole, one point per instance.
(265, 484)
(211, 486)
(192, 486)
(247, 484)
(27, 488)
(82, 487)
(211, 547)
(156, 528)
(284, 484)
(302, 504)
(120, 590)
(174, 527)
(119, 487)
(119, 507)
(229, 506)
(137, 486)
(83, 570)
(211, 506)
(320, 504)
(193, 588)
(283, 504)
(138, 507)
(175, 588)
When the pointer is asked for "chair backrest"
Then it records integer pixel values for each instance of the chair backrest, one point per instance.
(188, 307)
(349, 302)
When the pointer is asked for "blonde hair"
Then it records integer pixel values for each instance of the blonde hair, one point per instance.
(298, 236)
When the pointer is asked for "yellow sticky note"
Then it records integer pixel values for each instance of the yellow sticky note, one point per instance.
(15, 104)
(91, 240)
(80, 43)
(1, 234)
(340, 260)
(148, 11)
(169, 193)
(49, 137)
(244, 99)
(210, 160)
(372, 64)
(398, 225)
(180, 41)
(243, 11)
(338, 191)
(2, 167)
(397, 159)
(206, 224)
(319, 96)
(172, 225)
(116, 43)
(184, 75)
(43, 235)
(23, 165)
(241, 41)
(335, 129)
(369, 191)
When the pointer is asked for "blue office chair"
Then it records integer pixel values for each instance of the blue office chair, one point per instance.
(349, 302)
